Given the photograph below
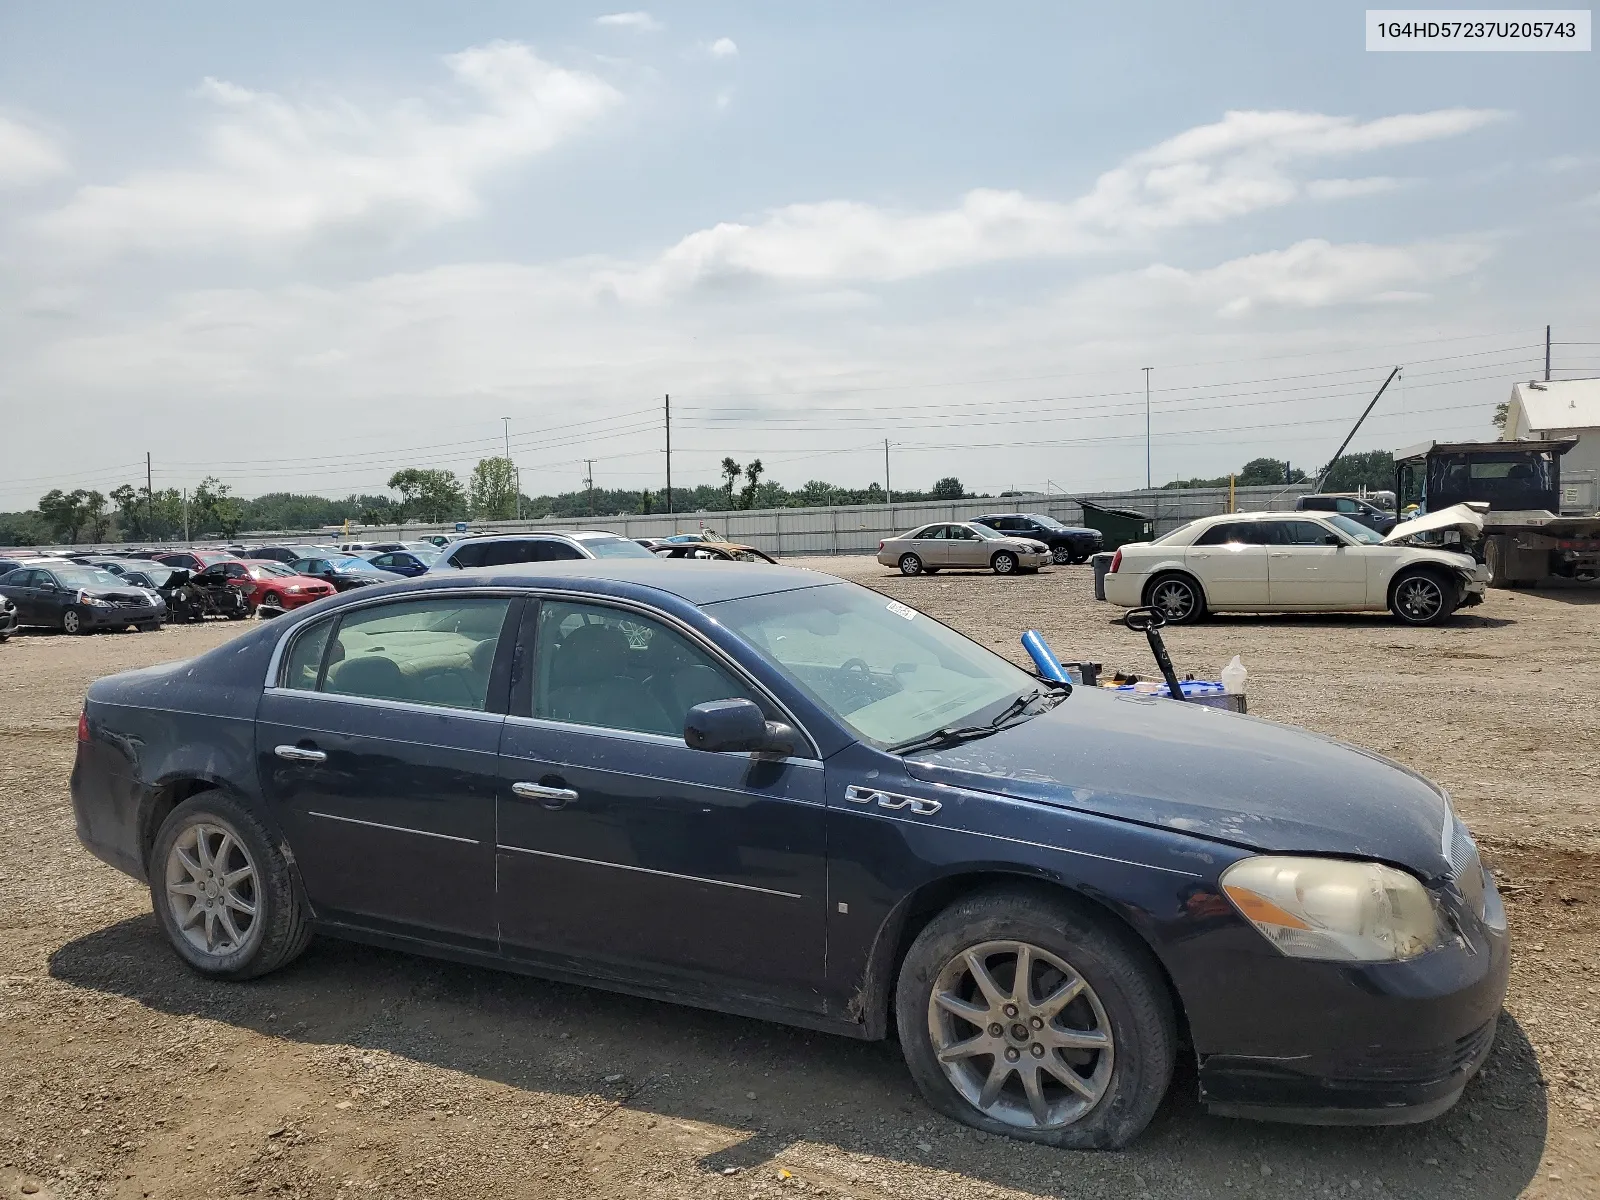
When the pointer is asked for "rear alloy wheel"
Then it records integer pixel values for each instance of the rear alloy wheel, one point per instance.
(1421, 597)
(1178, 597)
(1019, 1015)
(71, 622)
(1004, 563)
(910, 564)
(1061, 555)
(223, 892)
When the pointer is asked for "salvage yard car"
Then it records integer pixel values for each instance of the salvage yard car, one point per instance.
(1067, 543)
(942, 545)
(1302, 562)
(78, 599)
(769, 792)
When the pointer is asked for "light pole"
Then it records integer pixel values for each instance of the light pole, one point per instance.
(513, 466)
(1147, 371)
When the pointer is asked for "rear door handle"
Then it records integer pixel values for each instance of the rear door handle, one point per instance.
(300, 754)
(550, 797)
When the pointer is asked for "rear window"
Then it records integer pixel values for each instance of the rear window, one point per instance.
(615, 547)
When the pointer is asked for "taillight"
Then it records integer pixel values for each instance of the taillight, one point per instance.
(880, 546)
(83, 726)
(1116, 561)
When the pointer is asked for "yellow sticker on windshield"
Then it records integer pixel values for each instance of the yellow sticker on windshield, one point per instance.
(900, 610)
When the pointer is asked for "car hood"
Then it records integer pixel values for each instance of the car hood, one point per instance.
(1467, 518)
(1206, 772)
(129, 593)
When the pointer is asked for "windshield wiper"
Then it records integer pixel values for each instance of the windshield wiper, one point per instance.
(967, 733)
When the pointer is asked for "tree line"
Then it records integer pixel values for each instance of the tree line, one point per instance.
(131, 513)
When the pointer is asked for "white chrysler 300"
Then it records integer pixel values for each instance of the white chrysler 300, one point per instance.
(1297, 562)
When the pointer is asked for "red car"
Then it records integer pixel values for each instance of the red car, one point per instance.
(275, 585)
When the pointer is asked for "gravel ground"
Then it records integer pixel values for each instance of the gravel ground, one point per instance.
(359, 1072)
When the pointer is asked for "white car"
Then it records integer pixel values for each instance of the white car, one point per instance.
(1298, 562)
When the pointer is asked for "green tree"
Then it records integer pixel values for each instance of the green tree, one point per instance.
(492, 490)
(214, 508)
(1260, 471)
(948, 488)
(1373, 470)
(66, 513)
(752, 483)
(429, 495)
(1502, 414)
(730, 476)
(132, 518)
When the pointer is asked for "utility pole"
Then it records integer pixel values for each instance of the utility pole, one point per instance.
(888, 491)
(588, 482)
(1547, 354)
(1147, 483)
(149, 498)
(1371, 404)
(514, 471)
(185, 516)
(668, 400)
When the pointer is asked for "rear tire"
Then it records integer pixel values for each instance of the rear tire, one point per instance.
(1422, 596)
(1061, 555)
(1004, 563)
(256, 920)
(910, 564)
(1178, 596)
(1116, 1035)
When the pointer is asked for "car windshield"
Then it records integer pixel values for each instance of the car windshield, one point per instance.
(1355, 529)
(426, 557)
(887, 671)
(615, 547)
(84, 577)
(1046, 522)
(985, 532)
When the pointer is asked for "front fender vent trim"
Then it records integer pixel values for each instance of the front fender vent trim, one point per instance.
(891, 800)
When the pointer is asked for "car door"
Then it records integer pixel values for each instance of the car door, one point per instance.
(23, 588)
(1230, 562)
(966, 549)
(930, 545)
(1311, 566)
(621, 847)
(377, 744)
(49, 600)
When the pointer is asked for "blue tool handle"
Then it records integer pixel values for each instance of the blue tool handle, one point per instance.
(1044, 658)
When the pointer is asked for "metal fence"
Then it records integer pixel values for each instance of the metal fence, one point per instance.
(846, 529)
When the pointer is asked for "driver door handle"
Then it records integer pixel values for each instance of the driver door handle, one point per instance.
(300, 754)
(550, 797)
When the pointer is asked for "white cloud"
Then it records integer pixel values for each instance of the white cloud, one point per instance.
(276, 170)
(643, 22)
(1318, 274)
(723, 47)
(1240, 165)
(27, 156)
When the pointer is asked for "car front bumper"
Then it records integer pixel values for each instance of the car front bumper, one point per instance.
(95, 617)
(1353, 1044)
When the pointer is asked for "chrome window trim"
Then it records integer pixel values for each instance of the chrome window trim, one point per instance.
(651, 739)
(596, 862)
(415, 706)
(446, 837)
(280, 651)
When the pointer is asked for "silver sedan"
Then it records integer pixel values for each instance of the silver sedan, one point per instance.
(948, 544)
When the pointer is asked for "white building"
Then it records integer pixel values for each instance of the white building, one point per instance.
(1562, 408)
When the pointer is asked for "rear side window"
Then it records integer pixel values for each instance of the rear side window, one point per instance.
(1315, 502)
(305, 658)
(468, 556)
(1228, 531)
(437, 651)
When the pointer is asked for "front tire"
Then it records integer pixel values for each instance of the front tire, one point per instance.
(910, 564)
(223, 892)
(72, 623)
(1420, 596)
(1178, 597)
(1004, 563)
(1019, 1015)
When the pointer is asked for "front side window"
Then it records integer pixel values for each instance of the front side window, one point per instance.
(886, 671)
(1357, 530)
(437, 651)
(1225, 533)
(929, 533)
(615, 669)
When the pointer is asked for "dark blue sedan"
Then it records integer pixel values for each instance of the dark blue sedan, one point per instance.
(770, 792)
(408, 563)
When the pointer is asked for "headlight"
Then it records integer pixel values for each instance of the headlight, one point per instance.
(93, 601)
(1334, 909)
(293, 589)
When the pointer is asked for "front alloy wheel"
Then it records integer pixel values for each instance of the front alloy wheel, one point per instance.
(1420, 598)
(1005, 563)
(1020, 1035)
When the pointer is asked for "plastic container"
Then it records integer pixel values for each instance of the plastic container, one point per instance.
(1196, 691)
(1234, 676)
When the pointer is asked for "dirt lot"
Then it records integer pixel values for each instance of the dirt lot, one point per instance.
(360, 1073)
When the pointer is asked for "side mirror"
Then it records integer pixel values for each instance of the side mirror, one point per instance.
(1332, 539)
(720, 726)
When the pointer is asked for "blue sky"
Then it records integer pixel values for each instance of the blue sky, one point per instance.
(300, 249)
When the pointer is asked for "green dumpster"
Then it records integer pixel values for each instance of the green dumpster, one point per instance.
(1118, 525)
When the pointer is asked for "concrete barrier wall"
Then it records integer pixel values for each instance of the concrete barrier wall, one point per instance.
(849, 529)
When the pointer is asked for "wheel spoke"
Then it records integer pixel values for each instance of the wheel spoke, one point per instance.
(190, 863)
(974, 1014)
(202, 850)
(982, 1044)
(233, 878)
(1059, 999)
(1068, 1076)
(1035, 1093)
(226, 919)
(190, 888)
(220, 858)
(211, 929)
(196, 911)
(1022, 981)
(986, 982)
(1077, 1039)
(238, 904)
(998, 1074)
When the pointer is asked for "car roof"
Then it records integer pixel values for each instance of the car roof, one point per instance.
(1266, 515)
(624, 577)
